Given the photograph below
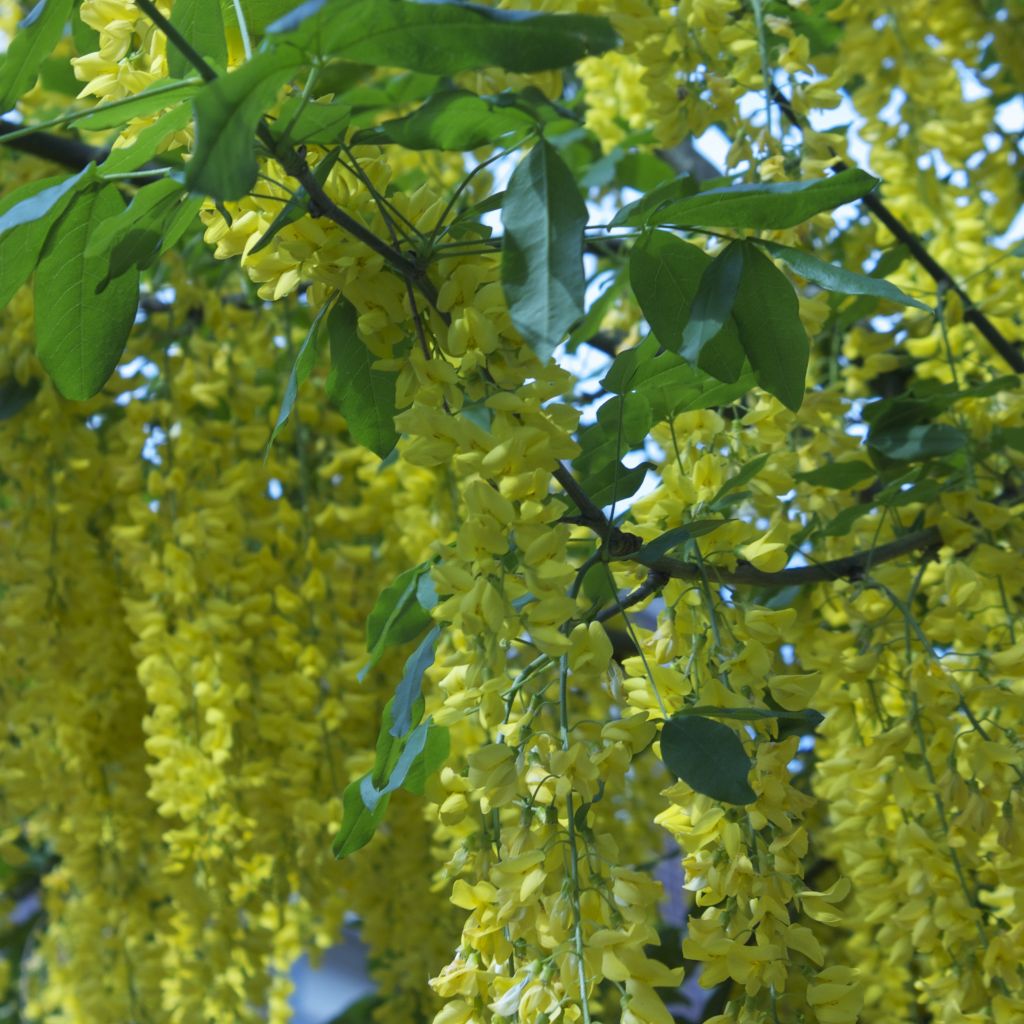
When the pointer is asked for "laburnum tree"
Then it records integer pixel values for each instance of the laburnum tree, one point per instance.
(433, 495)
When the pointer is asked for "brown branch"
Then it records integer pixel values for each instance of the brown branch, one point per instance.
(623, 547)
(915, 246)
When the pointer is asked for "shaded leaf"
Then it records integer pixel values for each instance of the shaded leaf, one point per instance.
(365, 396)
(770, 205)
(712, 305)
(735, 482)
(227, 110)
(665, 274)
(837, 279)
(320, 123)
(147, 142)
(14, 396)
(431, 759)
(34, 40)
(707, 756)
(921, 441)
(773, 337)
(812, 718)
(841, 475)
(301, 368)
(79, 334)
(640, 211)
(455, 120)
(202, 25)
(146, 102)
(654, 549)
(542, 253)
(445, 38)
(397, 615)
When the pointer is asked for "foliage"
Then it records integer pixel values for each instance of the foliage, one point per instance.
(647, 513)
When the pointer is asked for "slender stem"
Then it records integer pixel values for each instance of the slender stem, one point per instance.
(766, 70)
(574, 859)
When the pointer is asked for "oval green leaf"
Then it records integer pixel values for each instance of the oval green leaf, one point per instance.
(709, 757)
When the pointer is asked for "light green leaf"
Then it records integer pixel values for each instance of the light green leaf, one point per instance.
(148, 141)
(301, 368)
(837, 279)
(665, 273)
(202, 25)
(542, 254)
(358, 823)
(768, 314)
(431, 759)
(34, 40)
(455, 120)
(227, 110)
(365, 396)
(146, 102)
(774, 205)
(410, 685)
(709, 757)
(79, 334)
(397, 616)
(735, 482)
(26, 216)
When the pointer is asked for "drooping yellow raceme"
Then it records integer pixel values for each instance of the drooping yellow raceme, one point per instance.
(183, 622)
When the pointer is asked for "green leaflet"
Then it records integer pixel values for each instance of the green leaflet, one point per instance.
(773, 337)
(35, 38)
(837, 279)
(542, 253)
(146, 102)
(202, 24)
(444, 38)
(227, 110)
(301, 368)
(80, 334)
(709, 757)
(26, 216)
(398, 615)
(365, 396)
(456, 120)
(773, 205)
(665, 274)
(712, 306)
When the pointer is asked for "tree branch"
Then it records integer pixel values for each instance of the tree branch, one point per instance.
(622, 547)
(931, 266)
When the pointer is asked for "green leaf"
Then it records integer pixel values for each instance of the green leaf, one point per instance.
(14, 396)
(812, 718)
(227, 110)
(397, 616)
(431, 759)
(615, 483)
(322, 124)
(836, 279)
(360, 1012)
(26, 216)
(841, 525)
(358, 823)
(455, 120)
(79, 334)
(133, 237)
(365, 396)
(148, 141)
(922, 441)
(202, 25)
(259, 14)
(774, 205)
(665, 274)
(34, 40)
(654, 549)
(640, 211)
(445, 38)
(768, 315)
(712, 306)
(668, 383)
(410, 686)
(709, 757)
(301, 368)
(542, 253)
(841, 475)
(146, 102)
(734, 483)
